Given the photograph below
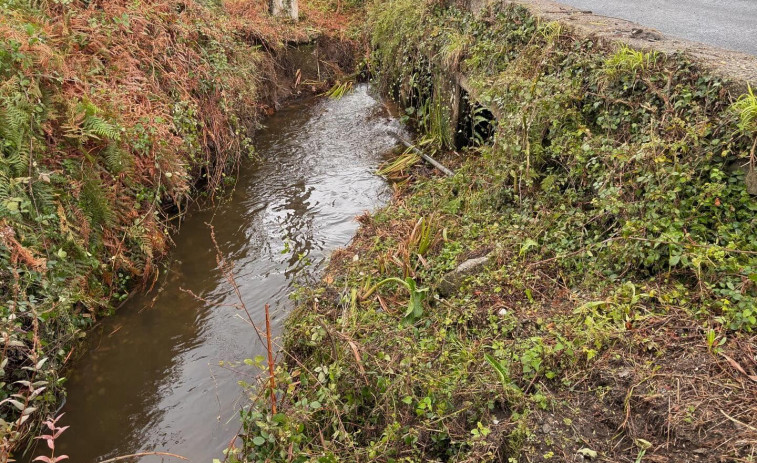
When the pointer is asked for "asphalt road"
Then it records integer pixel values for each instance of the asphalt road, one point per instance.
(729, 24)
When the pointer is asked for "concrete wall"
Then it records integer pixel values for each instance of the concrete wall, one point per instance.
(289, 8)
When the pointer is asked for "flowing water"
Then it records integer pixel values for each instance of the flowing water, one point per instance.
(151, 379)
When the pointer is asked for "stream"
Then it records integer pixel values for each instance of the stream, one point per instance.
(151, 378)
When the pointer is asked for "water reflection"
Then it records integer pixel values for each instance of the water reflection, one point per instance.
(151, 379)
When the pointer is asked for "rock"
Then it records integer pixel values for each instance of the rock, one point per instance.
(454, 279)
(751, 182)
(649, 35)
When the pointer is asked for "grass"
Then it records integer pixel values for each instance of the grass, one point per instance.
(615, 316)
(746, 107)
(400, 164)
(340, 89)
(454, 48)
(626, 60)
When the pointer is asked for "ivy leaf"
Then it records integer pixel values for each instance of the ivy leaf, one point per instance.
(528, 244)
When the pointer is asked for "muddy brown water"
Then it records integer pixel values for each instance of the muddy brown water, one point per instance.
(151, 379)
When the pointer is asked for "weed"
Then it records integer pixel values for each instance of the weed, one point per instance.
(414, 309)
(714, 342)
(55, 432)
(643, 446)
(628, 60)
(422, 236)
(502, 373)
(454, 48)
(746, 108)
(551, 31)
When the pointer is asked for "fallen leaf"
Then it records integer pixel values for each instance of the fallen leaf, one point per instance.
(738, 367)
(358, 359)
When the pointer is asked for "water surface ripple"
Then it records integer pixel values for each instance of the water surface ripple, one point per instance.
(151, 380)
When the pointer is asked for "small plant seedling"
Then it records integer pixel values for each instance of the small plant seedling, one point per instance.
(504, 375)
(713, 342)
(417, 295)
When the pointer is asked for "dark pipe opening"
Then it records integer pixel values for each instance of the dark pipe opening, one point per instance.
(476, 124)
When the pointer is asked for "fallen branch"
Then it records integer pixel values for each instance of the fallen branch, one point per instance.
(420, 153)
(751, 428)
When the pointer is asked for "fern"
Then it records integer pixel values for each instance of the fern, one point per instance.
(44, 196)
(92, 124)
(117, 160)
(17, 163)
(5, 188)
(97, 127)
(94, 202)
(14, 128)
(15, 135)
(141, 238)
(15, 122)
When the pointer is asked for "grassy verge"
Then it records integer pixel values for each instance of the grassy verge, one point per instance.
(612, 319)
(114, 116)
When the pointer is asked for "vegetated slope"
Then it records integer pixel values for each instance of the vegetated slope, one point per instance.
(613, 318)
(113, 115)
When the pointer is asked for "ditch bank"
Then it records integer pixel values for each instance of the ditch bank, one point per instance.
(612, 319)
(115, 118)
(162, 374)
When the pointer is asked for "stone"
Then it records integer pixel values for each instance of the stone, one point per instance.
(587, 454)
(454, 279)
(751, 182)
